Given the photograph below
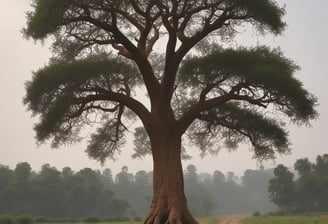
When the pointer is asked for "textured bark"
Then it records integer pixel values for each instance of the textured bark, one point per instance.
(169, 204)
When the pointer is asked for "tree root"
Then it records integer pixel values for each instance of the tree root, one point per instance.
(173, 214)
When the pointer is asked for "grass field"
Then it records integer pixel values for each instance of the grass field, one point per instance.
(315, 219)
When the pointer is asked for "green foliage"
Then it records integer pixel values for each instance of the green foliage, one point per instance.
(256, 213)
(106, 141)
(235, 124)
(119, 219)
(281, 188)
(92, 219)
(267, 13)
(137, 219)
(303, 167)
(59, 93)
(54, 194)
(61, 77)
(256, 77)
(6, 219)
(307, 193)
(6, 174)
(41, 219)
(24, 219)
(141, 142)
(257, 68)
(47, 17)
(64, 220)
(23, 171)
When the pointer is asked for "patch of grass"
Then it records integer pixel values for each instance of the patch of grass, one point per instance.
(311, 219)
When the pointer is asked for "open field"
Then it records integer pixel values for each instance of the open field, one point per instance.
(308, 219)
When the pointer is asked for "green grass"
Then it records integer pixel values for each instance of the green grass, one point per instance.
(315, 219)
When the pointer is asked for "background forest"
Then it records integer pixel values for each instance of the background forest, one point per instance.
(87, 192)
(67, 193)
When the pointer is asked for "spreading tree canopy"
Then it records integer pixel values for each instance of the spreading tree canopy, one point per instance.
(104, 54)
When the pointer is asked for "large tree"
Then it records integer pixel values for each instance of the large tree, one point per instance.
(214, 95)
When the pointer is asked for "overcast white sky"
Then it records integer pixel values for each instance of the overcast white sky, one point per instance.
(305, 41)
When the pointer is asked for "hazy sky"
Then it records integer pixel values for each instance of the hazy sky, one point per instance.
(305, 41)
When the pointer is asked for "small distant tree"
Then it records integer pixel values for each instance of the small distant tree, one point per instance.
(320, 170)
(107, 178)
(303, 167)
(19, 192)
(282, 189)
(6, 176)
(306, 187)
(219, 95)
(49, 192)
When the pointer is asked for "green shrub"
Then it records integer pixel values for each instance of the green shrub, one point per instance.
(137, 219)
(64, 220)
(92, 219)
(41, 219)
(257, 213)
(122, 219)
(24, 219)
(6, 219)
(118, 219)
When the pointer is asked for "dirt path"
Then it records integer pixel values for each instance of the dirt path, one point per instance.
(234, 219)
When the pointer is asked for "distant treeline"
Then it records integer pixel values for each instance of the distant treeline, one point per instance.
(65, 193)
(52, 193)
(308, 192)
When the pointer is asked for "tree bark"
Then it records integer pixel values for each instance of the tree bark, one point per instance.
(169, 204)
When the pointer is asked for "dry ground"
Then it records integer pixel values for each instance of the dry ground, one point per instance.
(232, 219)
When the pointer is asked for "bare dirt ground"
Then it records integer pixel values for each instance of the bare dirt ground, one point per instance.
(233, 219)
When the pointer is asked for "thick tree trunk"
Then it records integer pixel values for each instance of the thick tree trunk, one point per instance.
(169, 204)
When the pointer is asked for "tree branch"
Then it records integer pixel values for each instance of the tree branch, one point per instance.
(250, 100)
(185, 121)
(105, 95)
